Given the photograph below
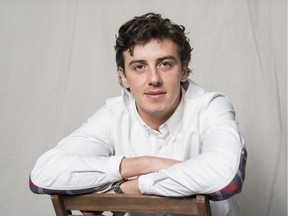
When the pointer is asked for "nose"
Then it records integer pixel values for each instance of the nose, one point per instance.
(154, 77)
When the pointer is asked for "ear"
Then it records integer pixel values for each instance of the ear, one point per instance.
(185, 74)
(123, 78)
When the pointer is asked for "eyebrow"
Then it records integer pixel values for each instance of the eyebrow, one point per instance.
(136, 61)
(169, 57)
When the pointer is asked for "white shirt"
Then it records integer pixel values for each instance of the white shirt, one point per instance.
(202, 132)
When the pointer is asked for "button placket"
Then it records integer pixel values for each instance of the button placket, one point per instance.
(160, 144)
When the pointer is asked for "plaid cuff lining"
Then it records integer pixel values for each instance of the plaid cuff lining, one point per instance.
(38, 190)
(235, 185)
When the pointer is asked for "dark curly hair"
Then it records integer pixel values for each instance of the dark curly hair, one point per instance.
(141, 29)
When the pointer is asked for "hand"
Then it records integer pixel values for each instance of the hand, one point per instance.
(130, 187)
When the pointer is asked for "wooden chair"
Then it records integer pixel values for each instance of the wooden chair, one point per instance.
(196, 205)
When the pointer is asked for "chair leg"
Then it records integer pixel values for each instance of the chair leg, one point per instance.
(203, 205)
(59, 206)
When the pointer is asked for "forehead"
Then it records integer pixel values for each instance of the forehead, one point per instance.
(152, 50)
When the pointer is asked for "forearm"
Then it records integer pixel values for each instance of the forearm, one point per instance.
(57, 170)
(130, 187)
(136, 166)
(205, 174)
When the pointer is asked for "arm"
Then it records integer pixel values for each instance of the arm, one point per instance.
(84, 162)
(81, 162)
(136, 166)
(220, 164)
(234, 187)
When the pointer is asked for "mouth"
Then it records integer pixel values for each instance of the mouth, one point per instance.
(155, 94)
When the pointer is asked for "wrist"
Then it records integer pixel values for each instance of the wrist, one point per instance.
(116, 186)
(130, 187)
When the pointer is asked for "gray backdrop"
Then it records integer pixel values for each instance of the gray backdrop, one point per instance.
(57, 68)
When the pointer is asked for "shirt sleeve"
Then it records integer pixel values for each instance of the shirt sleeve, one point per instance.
(81, 162)
(217, 164)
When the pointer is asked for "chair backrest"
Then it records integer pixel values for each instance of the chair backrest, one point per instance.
(196, 205)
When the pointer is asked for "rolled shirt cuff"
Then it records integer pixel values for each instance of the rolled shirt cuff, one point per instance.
(145, 183)
(112, 168)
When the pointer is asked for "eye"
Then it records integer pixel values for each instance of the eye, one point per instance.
(139, 68)
(165, 65)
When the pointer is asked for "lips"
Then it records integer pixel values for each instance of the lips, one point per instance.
(155, 94)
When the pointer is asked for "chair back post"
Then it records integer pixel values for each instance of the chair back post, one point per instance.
(59, 207)
(203, 205)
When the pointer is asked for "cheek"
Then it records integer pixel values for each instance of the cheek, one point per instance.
(134, 85)
(136, 80)
(173, 80)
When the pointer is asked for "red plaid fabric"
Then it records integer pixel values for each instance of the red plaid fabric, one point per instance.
(38, 190)
(235, 186)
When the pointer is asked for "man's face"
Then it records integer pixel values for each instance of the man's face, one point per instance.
(154, 74)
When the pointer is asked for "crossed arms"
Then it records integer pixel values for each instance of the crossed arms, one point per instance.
(78, 165)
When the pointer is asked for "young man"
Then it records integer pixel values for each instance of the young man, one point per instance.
(164, 135)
